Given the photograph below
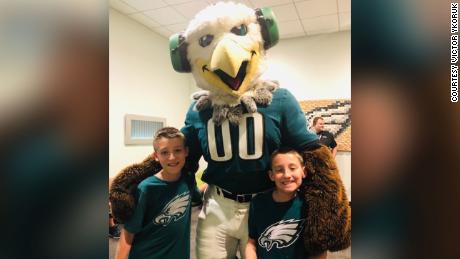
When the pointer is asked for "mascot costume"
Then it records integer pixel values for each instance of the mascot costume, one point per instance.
(235, 123)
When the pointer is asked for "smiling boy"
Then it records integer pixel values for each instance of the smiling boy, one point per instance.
(277, 217)
(160, 226)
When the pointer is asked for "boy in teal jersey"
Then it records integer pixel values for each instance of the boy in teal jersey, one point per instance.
(277, 217)
(160, 225)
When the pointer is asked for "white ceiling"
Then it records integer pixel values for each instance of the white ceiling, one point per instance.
(296, 18)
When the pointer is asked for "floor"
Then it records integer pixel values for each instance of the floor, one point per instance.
(345, 254)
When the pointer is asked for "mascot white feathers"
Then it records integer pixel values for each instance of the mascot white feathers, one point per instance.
(239, 119)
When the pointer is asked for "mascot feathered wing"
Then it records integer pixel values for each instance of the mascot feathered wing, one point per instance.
(224, 47)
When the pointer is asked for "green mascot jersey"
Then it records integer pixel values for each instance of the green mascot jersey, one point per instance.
(161, 220)
(238, 156)
(276, 227)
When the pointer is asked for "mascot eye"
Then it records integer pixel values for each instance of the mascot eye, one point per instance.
(240, 30)
(206, 40)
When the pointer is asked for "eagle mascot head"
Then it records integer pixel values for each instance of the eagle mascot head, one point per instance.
(224, 48)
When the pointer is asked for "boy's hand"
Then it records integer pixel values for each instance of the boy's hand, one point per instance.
(124, 245)
(250, 252)
(203, 187)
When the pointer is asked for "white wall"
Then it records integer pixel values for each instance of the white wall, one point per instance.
(142, 81)
(344, 164)
(315, 67)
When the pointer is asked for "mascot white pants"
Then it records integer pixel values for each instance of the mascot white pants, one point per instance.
(222, 226)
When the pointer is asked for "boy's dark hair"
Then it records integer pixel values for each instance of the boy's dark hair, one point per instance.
(315, 120)
(169, 133)
(286, 150)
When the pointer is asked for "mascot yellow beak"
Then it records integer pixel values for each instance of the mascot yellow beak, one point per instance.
(228, 56)
(231, 67)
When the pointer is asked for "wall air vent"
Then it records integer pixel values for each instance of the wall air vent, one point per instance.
(139, 129)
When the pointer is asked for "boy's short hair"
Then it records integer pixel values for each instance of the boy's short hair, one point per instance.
(286, 150)
(169, 133)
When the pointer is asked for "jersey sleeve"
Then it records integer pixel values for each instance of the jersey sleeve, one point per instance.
(333, 143)
(135, 223)
(197, 198)
(191, 139)
(251, 223)
(294, 124)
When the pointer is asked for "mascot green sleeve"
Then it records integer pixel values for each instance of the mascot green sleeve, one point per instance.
(238, 120)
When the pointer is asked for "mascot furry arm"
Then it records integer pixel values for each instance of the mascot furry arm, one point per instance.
(224, 48)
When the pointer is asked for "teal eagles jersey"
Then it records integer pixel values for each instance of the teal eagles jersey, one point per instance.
(161, 220)
(277, 227)
(238, 156)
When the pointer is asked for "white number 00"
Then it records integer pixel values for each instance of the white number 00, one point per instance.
(243, 138)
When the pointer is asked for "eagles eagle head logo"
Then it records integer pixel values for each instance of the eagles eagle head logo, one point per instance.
(174, 210)
(281, 234)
